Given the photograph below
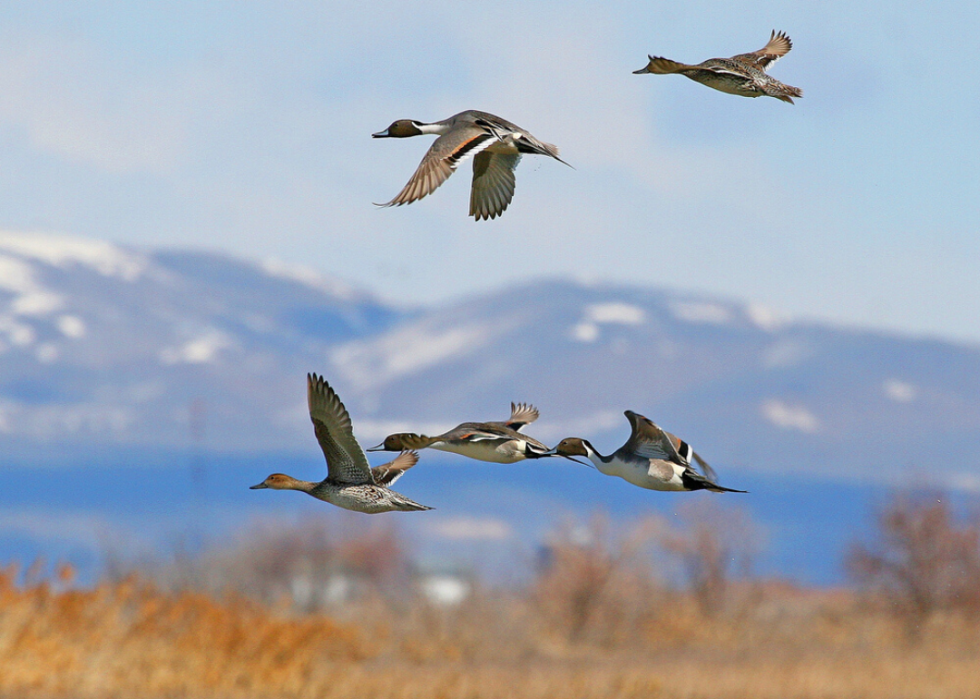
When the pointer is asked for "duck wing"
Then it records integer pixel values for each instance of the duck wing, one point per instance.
(651, 442)
(708, 472)
(346, 462)
(779, 45)
(388, 473)
(521, 414)
(493, 183)
(493, 431)
(441, 160)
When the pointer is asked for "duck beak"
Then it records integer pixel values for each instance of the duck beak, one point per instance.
(554, 452)
(381, 134)
(645, 69)
(380, 447)
(258, 487)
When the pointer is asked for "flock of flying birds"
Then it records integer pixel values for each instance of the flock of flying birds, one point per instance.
(651, 458)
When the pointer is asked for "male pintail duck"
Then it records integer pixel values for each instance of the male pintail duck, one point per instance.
(651, 458)
(744, 74)
(495, 144)
(498, 442)
(350, 483)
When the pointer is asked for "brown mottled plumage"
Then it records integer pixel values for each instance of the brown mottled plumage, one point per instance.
(743, 74)
(350, 483)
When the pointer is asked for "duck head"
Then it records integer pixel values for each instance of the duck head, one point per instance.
(403, 128)
(277, 481)
(403, 441)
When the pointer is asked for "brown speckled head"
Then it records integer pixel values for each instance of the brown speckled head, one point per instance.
(277, 481)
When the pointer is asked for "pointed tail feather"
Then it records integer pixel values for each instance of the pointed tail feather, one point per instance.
(783, 92)
(403, 504)
(715, 488)
(659, 65)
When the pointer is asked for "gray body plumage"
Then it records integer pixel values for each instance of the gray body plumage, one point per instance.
(495, 144)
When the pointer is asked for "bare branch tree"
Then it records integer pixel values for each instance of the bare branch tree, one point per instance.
(593, 580)
(715, 544)
(923, 560)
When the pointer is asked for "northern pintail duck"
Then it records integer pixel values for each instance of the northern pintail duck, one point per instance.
(744, 74)
(498, 442)
(651, 458)
(350, 483)
(495, 144)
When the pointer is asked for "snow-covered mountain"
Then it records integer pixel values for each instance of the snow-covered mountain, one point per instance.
(743, 386)
(104, 348)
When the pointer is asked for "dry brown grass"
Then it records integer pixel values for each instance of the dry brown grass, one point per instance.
(129, 639)
(595, 622)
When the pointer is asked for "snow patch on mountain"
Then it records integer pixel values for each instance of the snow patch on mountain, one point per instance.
(62, 251)
(200, 350)
(701, 312)
(406, 351)
(308, 277)
(899, 391)
(596, 314)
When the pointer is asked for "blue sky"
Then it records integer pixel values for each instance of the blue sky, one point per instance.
(246, 128)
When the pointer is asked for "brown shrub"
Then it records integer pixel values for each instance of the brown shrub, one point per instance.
(923, 562)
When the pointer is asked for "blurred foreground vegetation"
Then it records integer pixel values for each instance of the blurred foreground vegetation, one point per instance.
(307, 611)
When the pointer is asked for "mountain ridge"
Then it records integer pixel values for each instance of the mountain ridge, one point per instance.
(107, 348)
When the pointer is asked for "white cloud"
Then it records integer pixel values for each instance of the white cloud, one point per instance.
(790, 417)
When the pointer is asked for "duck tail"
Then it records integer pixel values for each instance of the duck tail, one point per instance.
(715, 488)
(783, 92)
(663, 66)
(403, 504)
(693, 480)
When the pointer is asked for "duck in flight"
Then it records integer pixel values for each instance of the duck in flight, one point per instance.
(350, 483)
(744, 74)
(497, 442)
(651, 458)
(495, 144)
